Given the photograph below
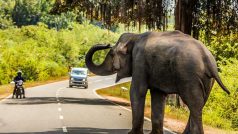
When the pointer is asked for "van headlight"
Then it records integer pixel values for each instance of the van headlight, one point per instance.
(72, 78)
(84, 79)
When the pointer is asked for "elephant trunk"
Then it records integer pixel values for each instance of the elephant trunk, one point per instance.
(106, 68)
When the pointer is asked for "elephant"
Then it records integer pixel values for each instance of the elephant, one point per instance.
(164, 63)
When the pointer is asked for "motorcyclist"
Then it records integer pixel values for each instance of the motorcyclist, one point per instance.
(18, 78)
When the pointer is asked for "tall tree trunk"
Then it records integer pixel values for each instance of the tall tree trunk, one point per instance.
(183, 15)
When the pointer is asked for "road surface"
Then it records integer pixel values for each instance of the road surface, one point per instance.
(54, 108)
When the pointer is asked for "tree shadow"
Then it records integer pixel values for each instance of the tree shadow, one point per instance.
(82, 130)
(63, 100)
(85, 130)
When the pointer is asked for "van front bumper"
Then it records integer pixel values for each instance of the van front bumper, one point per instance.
(78, 83)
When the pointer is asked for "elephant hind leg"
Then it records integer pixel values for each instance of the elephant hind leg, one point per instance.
(194, 125)
(194, 99)
(195, 94)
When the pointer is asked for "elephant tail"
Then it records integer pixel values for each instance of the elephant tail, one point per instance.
(217, 78)
(214, 73)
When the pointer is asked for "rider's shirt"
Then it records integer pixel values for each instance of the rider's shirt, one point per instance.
(17, 78)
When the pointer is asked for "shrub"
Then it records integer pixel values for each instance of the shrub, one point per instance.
(221, 110)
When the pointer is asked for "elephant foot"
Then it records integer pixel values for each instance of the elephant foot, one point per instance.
(185, 131)
(157, 132)
(135, 132)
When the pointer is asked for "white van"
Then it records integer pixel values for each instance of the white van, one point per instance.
(78, 77)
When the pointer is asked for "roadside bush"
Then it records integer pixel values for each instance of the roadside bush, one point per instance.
(221, 109)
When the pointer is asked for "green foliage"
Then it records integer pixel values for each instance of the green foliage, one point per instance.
(31, 12)
(42, 53)
(222, 47)
(221, 109)
(6, 7)
(61, 21)
(26, 12)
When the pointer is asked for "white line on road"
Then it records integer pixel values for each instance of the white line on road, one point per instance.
(108, 78)
(64, 129)
(61, 117)
(98, 80)
(57, 94)
(59, 109)
(61, 88)
(59, 103)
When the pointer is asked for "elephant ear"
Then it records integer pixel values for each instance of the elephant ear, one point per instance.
(125, 46)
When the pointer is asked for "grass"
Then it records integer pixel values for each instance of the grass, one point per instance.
(116, 91)
(172, 113)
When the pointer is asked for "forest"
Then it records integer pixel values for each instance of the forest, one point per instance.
(44, 38)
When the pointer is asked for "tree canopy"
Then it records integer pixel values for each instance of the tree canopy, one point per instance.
(213, 16)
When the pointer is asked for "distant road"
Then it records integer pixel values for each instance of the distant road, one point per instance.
(54, 108)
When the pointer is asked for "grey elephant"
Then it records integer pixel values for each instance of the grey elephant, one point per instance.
(165, 63)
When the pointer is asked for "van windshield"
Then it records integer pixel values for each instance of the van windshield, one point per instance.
(78, 72)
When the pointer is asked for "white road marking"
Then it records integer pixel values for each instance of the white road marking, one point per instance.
(59, 109)
(98, 80)
(59, 103)
(61, 88)
(61, 117)
(58, 93)
(64, 129)
(108, 78)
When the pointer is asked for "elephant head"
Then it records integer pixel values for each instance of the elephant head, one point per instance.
(118, 60)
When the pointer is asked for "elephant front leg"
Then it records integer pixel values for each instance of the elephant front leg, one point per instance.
(137, 97)
(157, 112)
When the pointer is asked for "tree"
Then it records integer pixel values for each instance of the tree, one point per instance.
(6, 7)
(25, 12)
(183, 15)
(190, 16)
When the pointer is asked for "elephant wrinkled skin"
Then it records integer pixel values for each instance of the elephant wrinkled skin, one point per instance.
(165, 63)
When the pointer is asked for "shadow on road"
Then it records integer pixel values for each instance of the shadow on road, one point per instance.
(63, 100)
(82, 130)
(97, 131)
(85, 130)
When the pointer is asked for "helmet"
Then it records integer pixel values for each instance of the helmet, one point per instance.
(19, 72)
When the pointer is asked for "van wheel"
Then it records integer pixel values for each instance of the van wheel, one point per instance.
(70, 86)
(86, 87)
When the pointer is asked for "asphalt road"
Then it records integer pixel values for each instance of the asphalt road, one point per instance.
(55, 108)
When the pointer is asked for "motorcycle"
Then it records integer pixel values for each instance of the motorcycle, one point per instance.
(19, 89)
